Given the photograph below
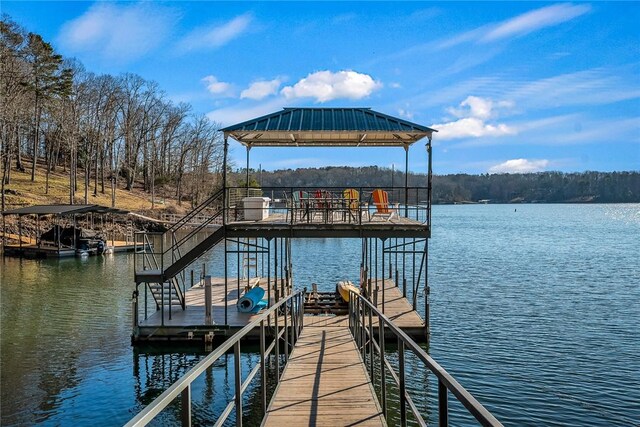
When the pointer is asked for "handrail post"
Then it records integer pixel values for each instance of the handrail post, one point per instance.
(186, 406)
(286, 335)
(371, 344)
(263, 371)
(238, 380)
(363, 331)
(443, 405)
(401, 386)
(277, 346)
(383, 380)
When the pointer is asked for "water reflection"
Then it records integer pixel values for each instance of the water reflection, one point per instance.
(534, 312)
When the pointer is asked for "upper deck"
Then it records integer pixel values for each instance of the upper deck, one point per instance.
(320, 211)
(327, 212)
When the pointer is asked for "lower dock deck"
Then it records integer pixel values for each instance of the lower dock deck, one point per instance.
(190, 323)
(325, 382)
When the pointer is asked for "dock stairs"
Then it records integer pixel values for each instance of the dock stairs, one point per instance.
(167, 293)
(161, 258)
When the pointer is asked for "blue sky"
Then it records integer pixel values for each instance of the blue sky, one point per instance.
(511, 86)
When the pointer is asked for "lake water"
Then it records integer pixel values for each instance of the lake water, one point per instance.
(535, 310)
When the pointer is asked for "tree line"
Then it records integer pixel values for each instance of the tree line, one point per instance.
(103, 130)
(542, 187)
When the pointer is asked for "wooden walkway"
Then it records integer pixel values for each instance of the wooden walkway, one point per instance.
(325, 381)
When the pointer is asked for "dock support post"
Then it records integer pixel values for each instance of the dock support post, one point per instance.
(383, 276)
(134, 306)
(224, 181)
(406, 181)
(207, 300)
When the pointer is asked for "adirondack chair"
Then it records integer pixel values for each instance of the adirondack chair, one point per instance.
(299, 205)
(352, 202)
(381, 202)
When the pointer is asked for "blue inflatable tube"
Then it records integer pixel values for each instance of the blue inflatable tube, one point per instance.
(251, 302)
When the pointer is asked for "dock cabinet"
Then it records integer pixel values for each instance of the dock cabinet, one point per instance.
(256, 208)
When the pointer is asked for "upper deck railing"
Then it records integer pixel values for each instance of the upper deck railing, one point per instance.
(330, 205)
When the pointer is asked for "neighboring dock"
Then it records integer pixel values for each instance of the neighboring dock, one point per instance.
(325, 382)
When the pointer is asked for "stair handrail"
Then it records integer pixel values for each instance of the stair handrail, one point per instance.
(182, 387)
(193, 231)
(361, 310)
(185, 219)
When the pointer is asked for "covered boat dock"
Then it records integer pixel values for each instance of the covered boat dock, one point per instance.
(64, 235)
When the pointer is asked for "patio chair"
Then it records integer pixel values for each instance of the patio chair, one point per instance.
(381, 202)
(299, 205)
(353, 204)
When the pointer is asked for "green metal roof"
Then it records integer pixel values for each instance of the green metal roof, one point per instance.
(327, 127)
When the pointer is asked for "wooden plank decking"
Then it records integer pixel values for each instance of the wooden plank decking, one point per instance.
(194, 314)
(397, 308)
(325, 382)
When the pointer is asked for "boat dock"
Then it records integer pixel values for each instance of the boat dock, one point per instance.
(325, 382)
(328, 370)
(175, 324)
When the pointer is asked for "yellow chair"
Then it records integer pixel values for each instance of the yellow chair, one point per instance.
(353, 204)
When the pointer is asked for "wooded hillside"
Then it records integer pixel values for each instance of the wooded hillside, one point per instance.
(543, 187)
(103, 132)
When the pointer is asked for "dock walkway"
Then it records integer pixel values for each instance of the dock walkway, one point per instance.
(397, 308)
(325, 382)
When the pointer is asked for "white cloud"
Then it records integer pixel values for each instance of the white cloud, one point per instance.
(261, 89)
(520, 166)
(325, 86)
(216, 87)
(214, 36)
(121, 32)
(239, 113)
(471, 127)
(520, 25)
(472, 114)
(482, 108)
(536, 20)
(405, 113)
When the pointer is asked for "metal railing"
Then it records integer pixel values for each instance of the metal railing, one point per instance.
(289, 311)
(363, 328)
(324, 205)
(159, 250)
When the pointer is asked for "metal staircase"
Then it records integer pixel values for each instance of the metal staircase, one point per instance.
(161, 258)
(167, 294)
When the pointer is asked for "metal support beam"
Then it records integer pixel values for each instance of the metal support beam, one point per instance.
(406, 181)
(224, 180)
